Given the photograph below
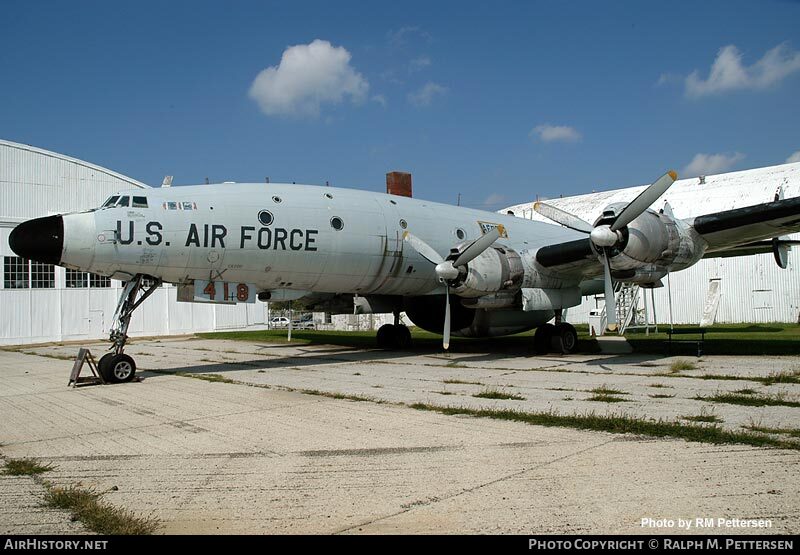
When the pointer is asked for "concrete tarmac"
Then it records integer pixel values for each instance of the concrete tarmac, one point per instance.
(260, 456)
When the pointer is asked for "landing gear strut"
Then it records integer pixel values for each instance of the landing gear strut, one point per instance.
(394, 336)
(116, 366)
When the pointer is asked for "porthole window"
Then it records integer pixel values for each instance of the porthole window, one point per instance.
(265, 217)
(403, 224)
(460, 234)
(276, 199)
(337, 223)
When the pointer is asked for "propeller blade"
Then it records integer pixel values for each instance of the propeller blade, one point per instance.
(479, 245)
(561, 217)
(611, 303)
(647, 197)
(446, 331)
(424, 249)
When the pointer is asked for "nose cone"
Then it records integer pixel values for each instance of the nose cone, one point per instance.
(41, 239)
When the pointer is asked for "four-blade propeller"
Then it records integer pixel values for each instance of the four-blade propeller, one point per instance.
(449, 270)
(607, 235)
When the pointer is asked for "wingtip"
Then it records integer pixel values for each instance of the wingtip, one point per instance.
(673, 174)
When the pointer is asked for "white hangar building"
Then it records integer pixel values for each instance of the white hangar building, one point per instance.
(42, 302)
(751, 288)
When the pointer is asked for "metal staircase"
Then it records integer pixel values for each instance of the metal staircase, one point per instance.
(627, 297)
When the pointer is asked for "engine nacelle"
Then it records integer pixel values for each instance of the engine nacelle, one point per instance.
(653, 244)
(495, 269)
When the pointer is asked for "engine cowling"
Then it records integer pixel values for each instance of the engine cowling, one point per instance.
(496, 269)
(653, 244)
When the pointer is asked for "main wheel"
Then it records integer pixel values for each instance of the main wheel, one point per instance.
(402, 336)
(542, 339)
(568, 336)
(386, 337)
(119, 369)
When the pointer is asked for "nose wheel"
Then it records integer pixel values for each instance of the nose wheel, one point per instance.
(116, 366)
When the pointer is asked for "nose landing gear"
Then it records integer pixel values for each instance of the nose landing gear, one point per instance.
(116, 366)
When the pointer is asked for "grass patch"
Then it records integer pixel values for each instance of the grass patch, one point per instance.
(25, 467)
(727, 339)
(461, 382)
(749, 400)
(681, 365)
(793, 432)
(604, 394)
(86, 506)
(787, 376)
(621, 424)
(344, 396)
(217, 378)
(495, 394)
(703, 417)
(603, 390)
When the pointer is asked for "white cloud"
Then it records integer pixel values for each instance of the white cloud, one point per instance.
(404, 35)
(308, 76)
(550, 133)
(425, 95)
(708, 164)
(494, 199)
(793, 158)
(418, 64)
(728, 73)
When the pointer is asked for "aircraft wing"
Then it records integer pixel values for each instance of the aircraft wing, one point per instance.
(745, 228)
(738, 232)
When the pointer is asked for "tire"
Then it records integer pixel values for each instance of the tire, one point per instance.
(569, 338)
(386, 337)
(403, 336)
(120, 369)
(542, 339)
(102, 366)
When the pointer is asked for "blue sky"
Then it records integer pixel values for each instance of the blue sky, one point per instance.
(498, 101)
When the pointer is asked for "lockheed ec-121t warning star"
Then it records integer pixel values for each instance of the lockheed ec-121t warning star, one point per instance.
(452, 270)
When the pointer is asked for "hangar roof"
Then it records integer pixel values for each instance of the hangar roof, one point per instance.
(36, 182)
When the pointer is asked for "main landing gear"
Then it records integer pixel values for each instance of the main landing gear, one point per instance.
(116, 366)
(394, 336)
(559, 338)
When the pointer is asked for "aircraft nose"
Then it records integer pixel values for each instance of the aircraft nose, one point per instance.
(41, 239)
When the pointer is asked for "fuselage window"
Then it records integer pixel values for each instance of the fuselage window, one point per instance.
(265, 217)
(123, 201)
(139, 202)
(110, 202)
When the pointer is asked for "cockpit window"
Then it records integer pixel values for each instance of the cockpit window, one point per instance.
(139, 202)
(123, 201)
(110, 202)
